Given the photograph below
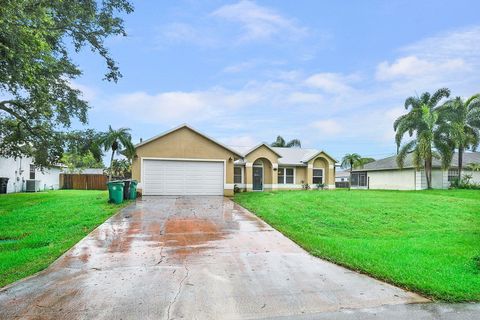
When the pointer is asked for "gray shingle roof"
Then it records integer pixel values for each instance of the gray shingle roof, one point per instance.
(293, 156)
(289, 156)
(391, 162)
(342, 174)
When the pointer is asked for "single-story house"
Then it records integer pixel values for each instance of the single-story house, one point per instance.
(184, 161)
(20, 170)
(342, 176)
(386, 174)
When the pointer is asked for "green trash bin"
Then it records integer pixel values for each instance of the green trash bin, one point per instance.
(115, 191)
(133, 189)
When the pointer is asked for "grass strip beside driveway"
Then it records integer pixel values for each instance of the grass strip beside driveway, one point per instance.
(425, 241)
(36, 228)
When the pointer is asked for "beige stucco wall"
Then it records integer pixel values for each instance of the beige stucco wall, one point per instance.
(300, 175)
(392, 179)
(185, 144)
(322, 161)
(262, 152)
(270, 162)
(267, 170)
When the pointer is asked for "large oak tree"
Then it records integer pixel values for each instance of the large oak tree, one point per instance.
(37, 39)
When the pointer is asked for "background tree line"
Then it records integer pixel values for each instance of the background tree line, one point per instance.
(436, 131)
(433, 130)
(38, 102)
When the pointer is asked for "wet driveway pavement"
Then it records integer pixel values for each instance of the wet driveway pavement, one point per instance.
(193, 258)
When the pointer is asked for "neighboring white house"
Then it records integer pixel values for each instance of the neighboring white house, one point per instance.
(385, 174)
(342, 176)
(19, 170)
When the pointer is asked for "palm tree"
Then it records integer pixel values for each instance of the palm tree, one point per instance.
(116, 140)
(460, 123)
(362, 162)
(474, 167)
(350, 160)
(121, 168)
(280, 142)
(129, 152)
(421, 123)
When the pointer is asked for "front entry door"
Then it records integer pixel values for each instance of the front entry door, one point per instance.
(258, 178)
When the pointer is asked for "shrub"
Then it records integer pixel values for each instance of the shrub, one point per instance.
(464, 183)
(320, 186)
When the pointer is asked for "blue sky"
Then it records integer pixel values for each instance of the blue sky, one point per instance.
(333, 74)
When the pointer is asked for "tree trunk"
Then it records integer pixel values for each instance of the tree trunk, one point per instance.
(460, 162)
(350, 182)
(111, 165)
(428, 172)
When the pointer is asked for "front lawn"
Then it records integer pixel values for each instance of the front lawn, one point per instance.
(425, 241)
(36, 228)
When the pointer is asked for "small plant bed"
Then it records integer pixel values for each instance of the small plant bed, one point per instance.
(36, 228)
(424, 241)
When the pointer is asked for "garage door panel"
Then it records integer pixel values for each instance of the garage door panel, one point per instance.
(172, 177)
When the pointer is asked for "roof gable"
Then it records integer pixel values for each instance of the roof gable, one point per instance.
(309, 157)
(189, 128)
(262, 145)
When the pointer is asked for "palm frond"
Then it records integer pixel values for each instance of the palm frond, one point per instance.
(294, 143)
(411, 102)
(475, 99)
(437, 96)
(404, 151)
(280, 142)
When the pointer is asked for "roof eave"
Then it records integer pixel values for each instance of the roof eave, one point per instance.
(258, 146)
(194, 130)
(316, 154)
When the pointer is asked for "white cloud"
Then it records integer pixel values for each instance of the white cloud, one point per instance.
(345, 110)
(88, 93)
(330, 82)
(448, 59)
(259, 23)
(180, 106)
(299, 97)
(252, 64)
(328, 127)
(458, 43)
(239, 67)
(412, 66)
(186, 33)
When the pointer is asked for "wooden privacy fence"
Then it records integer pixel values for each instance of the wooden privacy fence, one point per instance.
(83, 181)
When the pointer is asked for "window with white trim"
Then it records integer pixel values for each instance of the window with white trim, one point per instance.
(32, 171)
(237, 175)
(317, 176)
(286, 175)
(452, 174)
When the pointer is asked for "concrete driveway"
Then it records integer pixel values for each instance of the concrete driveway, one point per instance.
(193, 258)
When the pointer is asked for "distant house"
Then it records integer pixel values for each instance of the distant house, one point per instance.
(342, 178)
(20, 170)
(385, 174)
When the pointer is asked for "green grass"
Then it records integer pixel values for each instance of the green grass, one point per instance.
(425, 241)
(36, 228)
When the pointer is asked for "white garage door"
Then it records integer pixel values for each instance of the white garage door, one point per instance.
(172, 177)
